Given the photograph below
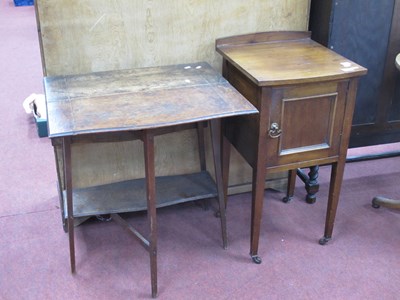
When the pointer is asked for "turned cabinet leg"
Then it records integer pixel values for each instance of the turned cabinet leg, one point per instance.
(148, 140)
(311, 183)
(312, 187)
(333, 199)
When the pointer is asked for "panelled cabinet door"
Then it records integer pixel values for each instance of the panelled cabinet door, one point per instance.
(304, 121)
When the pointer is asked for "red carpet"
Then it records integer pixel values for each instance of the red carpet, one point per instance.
(362, 261)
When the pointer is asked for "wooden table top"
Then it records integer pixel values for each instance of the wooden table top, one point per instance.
(136, 99)
(276, 58)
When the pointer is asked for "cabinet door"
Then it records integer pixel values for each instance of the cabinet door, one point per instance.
(305, 122)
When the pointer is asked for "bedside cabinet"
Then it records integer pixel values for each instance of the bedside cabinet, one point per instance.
(305, 94)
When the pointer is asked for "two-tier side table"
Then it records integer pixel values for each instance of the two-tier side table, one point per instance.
(305, 94)
(139, 104)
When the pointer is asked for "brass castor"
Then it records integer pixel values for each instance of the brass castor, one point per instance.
(324, 240)
(256, 259)
(287, 199)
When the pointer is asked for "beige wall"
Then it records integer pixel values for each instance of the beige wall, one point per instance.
(96, 35)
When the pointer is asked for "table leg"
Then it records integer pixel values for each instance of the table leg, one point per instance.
(226, 153)
(202, 157)
(200, 141)
(258, 183)
(148, 140)
(215, 126)
(290, 186)
(68, 189)
(333, 199)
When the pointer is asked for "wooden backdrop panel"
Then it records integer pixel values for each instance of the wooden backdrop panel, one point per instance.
(99, 35)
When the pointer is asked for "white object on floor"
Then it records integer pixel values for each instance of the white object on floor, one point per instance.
(36, 104)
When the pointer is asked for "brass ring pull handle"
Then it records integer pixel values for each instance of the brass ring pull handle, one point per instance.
(274, 131)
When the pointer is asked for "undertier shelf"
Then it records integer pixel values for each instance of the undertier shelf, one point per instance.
(130, 195)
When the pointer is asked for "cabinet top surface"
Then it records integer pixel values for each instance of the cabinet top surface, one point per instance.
(278, 58)
(137, 99)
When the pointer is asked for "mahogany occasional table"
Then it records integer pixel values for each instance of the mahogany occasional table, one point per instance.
(305, 94)
(139, 104)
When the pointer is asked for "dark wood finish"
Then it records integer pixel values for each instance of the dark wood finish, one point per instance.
(148, 140)
(216, 135)
(139, 103)
(138, 99)
(291, 185)
(305, 94)
(200, 140)
(346, 27)
(311, 183)
(130, 195)
(69, 198)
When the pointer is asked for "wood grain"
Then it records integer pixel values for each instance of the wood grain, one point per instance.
(99, 35)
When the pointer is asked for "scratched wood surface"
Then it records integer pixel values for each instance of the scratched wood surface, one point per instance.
(312, 61)
(100, 35)
(141, 98)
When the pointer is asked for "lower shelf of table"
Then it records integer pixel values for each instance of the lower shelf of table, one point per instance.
(130, 195)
